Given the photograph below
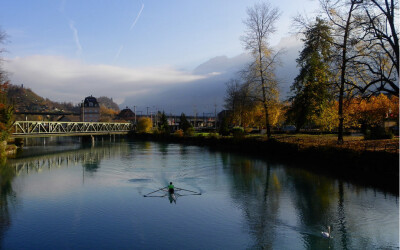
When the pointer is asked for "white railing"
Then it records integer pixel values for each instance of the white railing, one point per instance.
(27, 128)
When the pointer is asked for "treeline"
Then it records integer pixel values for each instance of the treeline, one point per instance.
(348, 70)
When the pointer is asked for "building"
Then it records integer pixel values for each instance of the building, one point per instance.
(68, 118)
(127, 115)
(90, 110)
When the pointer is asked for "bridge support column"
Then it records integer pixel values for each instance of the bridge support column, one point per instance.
(88, 139)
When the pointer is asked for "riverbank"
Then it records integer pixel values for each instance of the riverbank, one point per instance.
(374, 168)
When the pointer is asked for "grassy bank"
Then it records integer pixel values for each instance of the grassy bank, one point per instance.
(357, 161)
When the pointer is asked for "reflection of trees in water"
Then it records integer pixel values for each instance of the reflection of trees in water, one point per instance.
(91, 166)
(6, 196)
(313, 198)
(163, 148)
(90, 158)
(257, 188)
(342, 216)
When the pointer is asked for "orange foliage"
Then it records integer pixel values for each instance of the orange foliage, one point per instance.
(106, 114)
(372, 111)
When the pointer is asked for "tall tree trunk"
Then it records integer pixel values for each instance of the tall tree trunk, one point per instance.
(267, 125)
(343, 76)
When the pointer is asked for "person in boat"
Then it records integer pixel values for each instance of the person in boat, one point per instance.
(171, 188)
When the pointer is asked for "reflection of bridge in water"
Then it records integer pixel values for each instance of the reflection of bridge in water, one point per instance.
(87, 157)
(45, 128)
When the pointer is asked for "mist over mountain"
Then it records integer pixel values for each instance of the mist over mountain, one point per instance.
(202, 95)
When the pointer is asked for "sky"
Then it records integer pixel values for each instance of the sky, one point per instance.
(172, 55)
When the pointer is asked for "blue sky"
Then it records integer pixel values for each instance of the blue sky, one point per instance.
(68, 36)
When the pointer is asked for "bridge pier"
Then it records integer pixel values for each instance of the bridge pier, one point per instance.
(88, 139)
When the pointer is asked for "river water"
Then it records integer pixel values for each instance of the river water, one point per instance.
(65, 196)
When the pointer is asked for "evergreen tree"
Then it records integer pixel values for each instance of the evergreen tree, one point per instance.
(164, 126)
(311, 87)
(184, 124)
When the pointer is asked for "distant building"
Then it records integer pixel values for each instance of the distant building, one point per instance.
(224, 113)
(126, 114)
(90, 110)
(68, 118)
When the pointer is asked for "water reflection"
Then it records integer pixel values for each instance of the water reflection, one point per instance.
(313, 197)
(280, 203)
(89, 157)
(261, 204)
(7, 197)
(259, 195)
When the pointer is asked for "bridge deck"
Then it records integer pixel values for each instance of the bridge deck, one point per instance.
(45, 128)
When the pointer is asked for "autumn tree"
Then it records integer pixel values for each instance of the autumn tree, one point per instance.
(6, 110)
(344, 18)
(311, 88)
(144, 125)
(107, 114)
(260, 25)
(239, 99)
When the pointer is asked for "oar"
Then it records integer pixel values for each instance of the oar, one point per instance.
(187, 194)
(188, 190)
(154, 191)
(155, 195)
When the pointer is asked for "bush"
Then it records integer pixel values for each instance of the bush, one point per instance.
(238, 132)
(224, 127)
(144, 125)
(189, 131)
(178, 133)
(248, 130)
(377, 133)
(213, 135)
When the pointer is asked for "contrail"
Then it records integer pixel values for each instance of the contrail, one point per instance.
(137, 17)
(132, 25)
(119, 52)
(76, 37)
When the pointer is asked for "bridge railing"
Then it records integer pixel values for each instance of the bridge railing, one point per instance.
(26, 128)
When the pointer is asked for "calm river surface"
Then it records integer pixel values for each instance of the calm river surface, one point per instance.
(63, 196)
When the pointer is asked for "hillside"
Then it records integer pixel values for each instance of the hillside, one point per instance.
(108, 103)
(24, 99)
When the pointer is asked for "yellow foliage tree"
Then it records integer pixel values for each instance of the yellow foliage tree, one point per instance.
(106, 114)
(144, 125)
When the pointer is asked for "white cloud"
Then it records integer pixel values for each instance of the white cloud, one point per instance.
(61, 79)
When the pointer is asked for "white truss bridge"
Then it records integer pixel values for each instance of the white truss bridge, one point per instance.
(44, 128)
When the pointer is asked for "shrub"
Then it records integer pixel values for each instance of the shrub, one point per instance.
(213, 135)
(224, 127)
(248, 130)
(376, 133)
(144, 125)
(178, 133)
(189, 131)
(238, 132)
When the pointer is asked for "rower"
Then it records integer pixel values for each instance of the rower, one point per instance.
(171, 188)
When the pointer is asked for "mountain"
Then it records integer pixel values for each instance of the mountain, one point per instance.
(223, 65)
(207, 94)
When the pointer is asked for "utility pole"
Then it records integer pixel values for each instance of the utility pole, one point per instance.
(147, 111)
(134, 111)
(215, 116)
